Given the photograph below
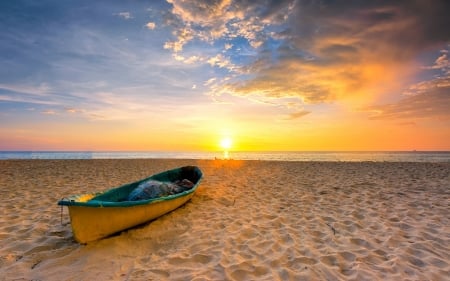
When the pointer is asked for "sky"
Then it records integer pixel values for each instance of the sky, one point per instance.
(186, 75)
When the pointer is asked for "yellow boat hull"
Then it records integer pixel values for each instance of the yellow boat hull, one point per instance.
(93, 223)
(97, 215)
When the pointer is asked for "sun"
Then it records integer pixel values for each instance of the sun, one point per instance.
(226, 143)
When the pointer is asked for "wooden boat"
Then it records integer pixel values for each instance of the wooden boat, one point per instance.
(97, 215)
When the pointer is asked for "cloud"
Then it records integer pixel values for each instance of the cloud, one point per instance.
(221, 61)
(208, 21)
(189, 60)
(441, 63)
(124, 15)
(27, 93)
(72, 110)
(184, 35)
(434, 104)
(316, 51)
(40, 90)
(150, 25)
(297, 115)
(429, 99)
(336, 53)
(49, 112)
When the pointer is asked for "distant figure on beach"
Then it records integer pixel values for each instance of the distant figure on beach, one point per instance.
(153, 189)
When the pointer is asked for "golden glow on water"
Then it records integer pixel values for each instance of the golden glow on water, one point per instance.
(226, 144)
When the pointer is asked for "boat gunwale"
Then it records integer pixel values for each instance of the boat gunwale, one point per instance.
(73, 200)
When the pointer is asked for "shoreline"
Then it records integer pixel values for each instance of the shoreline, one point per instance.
(249, 219)
(334, 156)
(230, 160)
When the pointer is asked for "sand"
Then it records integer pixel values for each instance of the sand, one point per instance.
(249, 220)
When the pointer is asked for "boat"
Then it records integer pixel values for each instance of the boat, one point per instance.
(97, 215)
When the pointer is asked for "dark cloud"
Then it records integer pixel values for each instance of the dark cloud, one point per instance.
(397, 30)
(317, 51)
(336, 53)
(329, 43)
(421, 22)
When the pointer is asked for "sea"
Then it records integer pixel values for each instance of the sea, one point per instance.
(333, 156)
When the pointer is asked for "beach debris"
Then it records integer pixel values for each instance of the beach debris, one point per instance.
(36, 264)
(151, 189)
(332, 229)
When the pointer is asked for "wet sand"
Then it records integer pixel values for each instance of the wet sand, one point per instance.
(249, 220)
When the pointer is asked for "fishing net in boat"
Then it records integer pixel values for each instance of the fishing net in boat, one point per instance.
(151, 189)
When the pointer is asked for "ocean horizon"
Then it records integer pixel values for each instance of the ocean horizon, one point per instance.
(333, 156)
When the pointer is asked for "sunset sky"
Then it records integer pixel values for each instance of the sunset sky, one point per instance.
(185, 75)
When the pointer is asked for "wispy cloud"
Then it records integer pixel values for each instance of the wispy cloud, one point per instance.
(72, 110)
(34, 94)
(49, 112)
(124, 15)
(40, 90)
(433, 104)
(297, 115)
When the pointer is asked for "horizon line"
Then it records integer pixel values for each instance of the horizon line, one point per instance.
(214, 151)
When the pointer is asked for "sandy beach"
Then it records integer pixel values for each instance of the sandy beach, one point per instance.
(249, 220)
